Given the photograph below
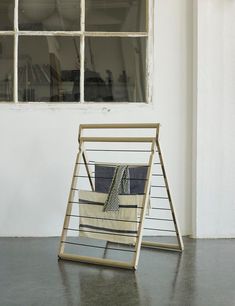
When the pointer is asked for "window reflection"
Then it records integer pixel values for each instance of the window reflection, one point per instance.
(115, 69)
(6, 15)
(49, 69)
(116, 15)
(6, 68)
(49, 15)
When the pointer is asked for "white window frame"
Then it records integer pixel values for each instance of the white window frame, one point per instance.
(16, 33)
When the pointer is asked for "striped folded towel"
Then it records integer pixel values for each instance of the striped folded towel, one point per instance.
(117, 226)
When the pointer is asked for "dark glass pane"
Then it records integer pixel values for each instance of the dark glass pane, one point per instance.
(115, 69)
(6, 15)
(49, 15)
(116, 15)
(6, 68)
(49, 69)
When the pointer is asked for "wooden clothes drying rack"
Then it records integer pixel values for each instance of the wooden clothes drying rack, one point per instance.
(82, 160)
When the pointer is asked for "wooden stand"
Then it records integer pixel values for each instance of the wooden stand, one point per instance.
(82, 159)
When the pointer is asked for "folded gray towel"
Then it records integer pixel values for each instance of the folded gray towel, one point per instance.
(120, 185)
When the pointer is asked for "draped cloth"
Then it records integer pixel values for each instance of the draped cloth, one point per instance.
(120, 185)
(117, 226)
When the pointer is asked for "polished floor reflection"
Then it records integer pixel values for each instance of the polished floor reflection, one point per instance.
(202, 276)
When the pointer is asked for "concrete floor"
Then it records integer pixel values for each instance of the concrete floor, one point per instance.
(203, 275)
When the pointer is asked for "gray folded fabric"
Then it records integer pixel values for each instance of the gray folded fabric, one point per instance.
(120, 185)
(104, 174)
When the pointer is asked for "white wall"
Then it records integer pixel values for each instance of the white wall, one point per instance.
(215, 120)
(38, 143)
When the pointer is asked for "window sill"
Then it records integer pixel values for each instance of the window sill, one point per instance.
(86, 106)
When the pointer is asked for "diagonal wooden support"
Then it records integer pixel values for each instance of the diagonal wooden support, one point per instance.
(145, 204)
(172, 247)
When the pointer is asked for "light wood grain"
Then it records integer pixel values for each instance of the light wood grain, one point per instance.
(97, 261)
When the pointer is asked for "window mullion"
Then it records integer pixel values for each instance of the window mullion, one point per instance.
(82, 51)
(7, 33)
(116, 34)
(16, 39)
(50, 33)
(83, 34)
(150, 51)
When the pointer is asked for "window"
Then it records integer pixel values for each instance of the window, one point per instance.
(74, 51)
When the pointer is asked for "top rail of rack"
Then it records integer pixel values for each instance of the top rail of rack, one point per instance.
(118, 126)
(121, 126)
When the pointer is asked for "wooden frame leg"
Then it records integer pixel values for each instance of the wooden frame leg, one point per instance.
(171, 247)
(145, 204)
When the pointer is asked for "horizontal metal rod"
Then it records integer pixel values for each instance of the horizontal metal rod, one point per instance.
(120, 220)
(79, 230)
(118, 139)
(91, 217)
(163, 246)
(113, 165)
(159, 229)
(109, 178)
(157, 163)
(90, 203)
(113, 150)
(157, 174)
(159, 219)
(88, 164)
(96, 246)
(160, 208)
(163, 198)
(93, 163)
(117, 164)
(158, 186)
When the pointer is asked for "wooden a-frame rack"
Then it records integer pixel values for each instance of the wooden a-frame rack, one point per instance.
(82, 159)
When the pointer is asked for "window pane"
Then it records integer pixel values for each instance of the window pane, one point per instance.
(6, 15)
(6, 68)
(49, 15)
(49, 69)
(116, 15)
(115, 69)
